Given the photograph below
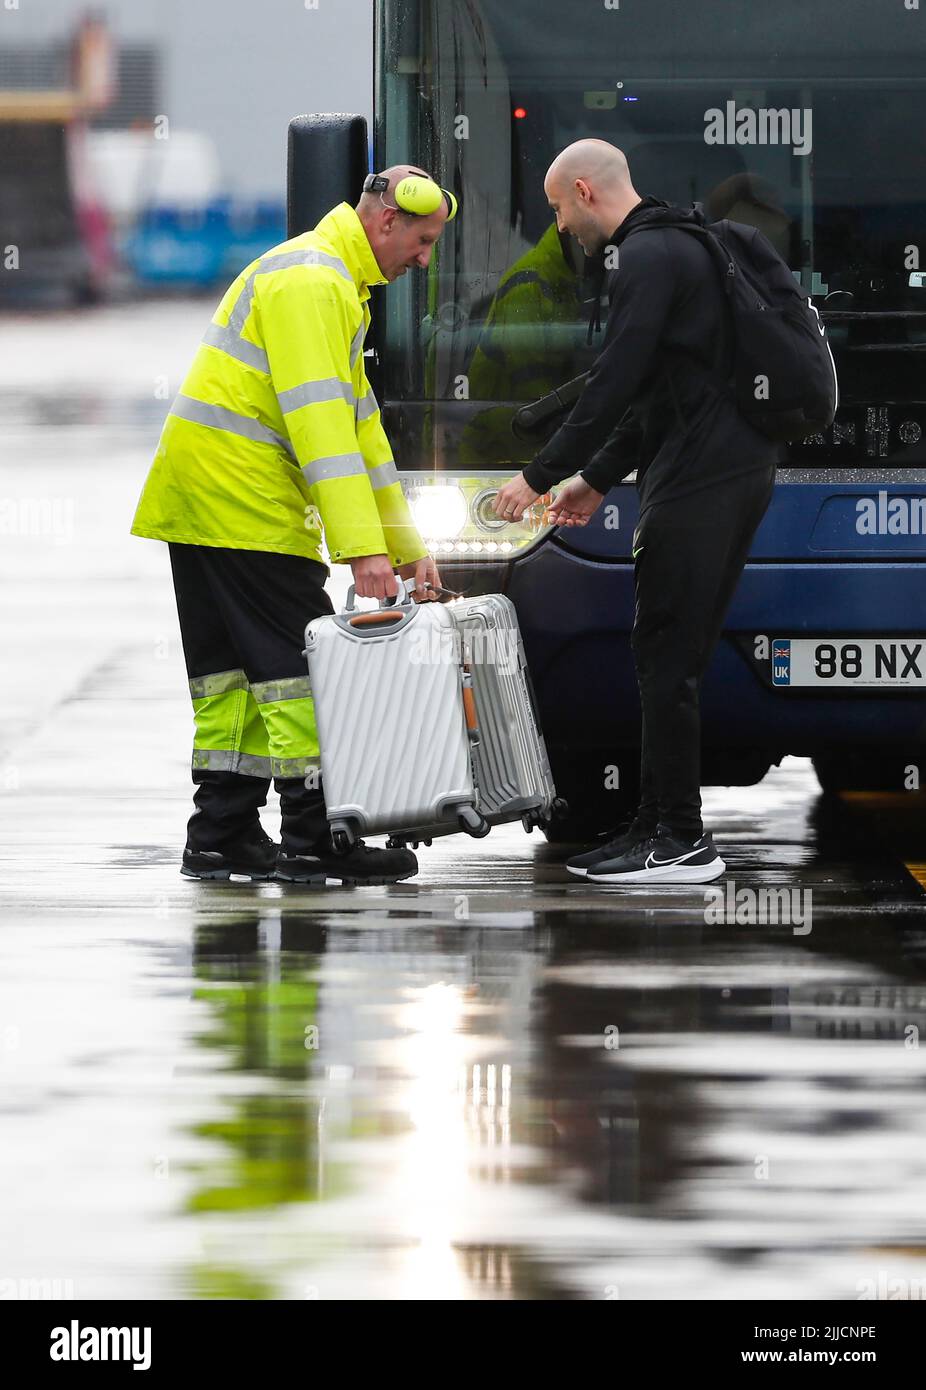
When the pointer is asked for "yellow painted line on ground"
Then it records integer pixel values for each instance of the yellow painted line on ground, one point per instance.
(909, 801)
(889, 801)
(919, 873)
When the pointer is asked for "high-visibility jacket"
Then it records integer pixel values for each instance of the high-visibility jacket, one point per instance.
(532, 328)
(275, 432)
(528, 346)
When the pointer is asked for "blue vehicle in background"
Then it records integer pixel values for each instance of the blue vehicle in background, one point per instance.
(767, 121)
(181, 247)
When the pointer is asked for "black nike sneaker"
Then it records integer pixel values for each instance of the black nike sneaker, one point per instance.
(662, 859)
(362, 864)
(254, 858)
(612, 847)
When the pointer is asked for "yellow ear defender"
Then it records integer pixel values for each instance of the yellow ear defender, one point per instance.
(415, 193)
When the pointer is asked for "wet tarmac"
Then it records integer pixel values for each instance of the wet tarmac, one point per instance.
(490, 1081)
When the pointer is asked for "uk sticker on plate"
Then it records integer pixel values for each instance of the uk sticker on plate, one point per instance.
(858, 662)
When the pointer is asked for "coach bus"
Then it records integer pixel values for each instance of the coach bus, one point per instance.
(804, 120)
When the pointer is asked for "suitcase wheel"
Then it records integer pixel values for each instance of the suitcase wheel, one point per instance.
(342, 840)
(470, 820)
(395, 842)
(528, 822)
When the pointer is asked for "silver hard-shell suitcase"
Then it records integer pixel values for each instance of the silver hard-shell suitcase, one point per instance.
(511, 769)
(426, 720)
(395, 747)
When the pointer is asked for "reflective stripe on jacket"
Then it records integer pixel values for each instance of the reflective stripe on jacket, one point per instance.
(275, 432)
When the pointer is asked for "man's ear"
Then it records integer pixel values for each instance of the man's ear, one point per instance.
(387, 220)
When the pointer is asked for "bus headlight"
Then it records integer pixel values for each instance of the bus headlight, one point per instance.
(455, 515)
(439, 510)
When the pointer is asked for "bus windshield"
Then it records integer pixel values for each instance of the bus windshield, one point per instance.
(803, 120)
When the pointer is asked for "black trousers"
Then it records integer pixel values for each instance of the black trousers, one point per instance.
(689, 555)
(242, 621)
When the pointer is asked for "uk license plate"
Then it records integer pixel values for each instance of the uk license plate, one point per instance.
(859, 662)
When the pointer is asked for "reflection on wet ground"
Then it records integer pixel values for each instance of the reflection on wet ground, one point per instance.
(484, 1083)
(488, 1082)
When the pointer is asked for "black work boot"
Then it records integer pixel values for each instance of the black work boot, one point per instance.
(253, 856)
(224, 833)
(361, 864)
(307, 854)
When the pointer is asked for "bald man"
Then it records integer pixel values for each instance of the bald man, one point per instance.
(275, 438)
(704, 476)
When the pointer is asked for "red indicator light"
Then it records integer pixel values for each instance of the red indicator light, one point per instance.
(519, 113)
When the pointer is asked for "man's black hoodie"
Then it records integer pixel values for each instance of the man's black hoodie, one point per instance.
(652, 401)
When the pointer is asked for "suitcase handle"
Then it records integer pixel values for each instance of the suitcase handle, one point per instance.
(470, 709)
(406, 587)
(403, 598)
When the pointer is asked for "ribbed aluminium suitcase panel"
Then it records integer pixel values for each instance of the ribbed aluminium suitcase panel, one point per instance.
(511, 765)
(391, 727)
(510, 762)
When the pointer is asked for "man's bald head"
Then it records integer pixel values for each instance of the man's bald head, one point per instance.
(399, 239)
(588, 187)
(594, 161)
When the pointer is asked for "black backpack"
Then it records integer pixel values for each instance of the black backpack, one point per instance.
(783, 377)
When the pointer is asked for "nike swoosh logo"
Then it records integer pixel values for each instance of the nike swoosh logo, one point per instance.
(637, 552)
(653, 863)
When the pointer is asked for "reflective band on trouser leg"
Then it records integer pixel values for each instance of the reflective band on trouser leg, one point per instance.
(289, 716)
(230, 733)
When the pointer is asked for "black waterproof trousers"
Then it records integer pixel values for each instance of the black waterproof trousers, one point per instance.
(242, 620)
